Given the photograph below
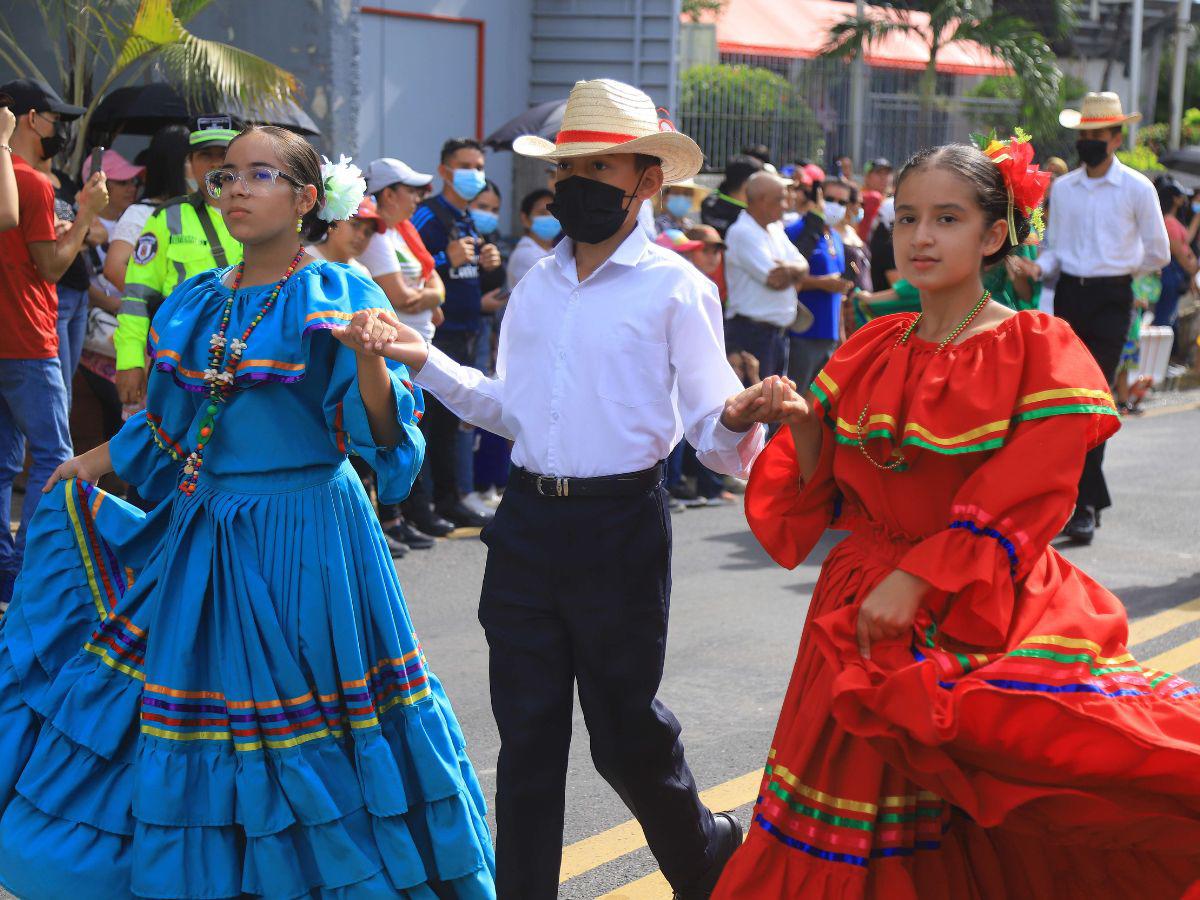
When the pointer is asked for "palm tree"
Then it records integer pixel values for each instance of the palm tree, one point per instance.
(97, 42)
(1011, 38)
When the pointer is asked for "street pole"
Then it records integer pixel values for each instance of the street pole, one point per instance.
(858, 97)
(1135, 67)
(1183, 34)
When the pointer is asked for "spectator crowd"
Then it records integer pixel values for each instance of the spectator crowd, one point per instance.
(801, 258)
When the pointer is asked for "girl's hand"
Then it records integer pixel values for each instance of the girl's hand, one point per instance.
(888, 612)
(379, 333)
(90, 466)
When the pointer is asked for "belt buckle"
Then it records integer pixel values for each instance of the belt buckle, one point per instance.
(559, 486)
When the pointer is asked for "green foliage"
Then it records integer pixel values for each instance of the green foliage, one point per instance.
(1038, 118)
(725, 107)
(1157, 136)
(94, 44)
(1141, 158)
(694, 9)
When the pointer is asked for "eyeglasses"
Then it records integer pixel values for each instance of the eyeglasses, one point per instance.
(256, 180)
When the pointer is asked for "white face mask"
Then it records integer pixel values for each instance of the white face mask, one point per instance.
(834, 212)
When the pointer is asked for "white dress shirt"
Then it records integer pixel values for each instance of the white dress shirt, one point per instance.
(600, 377)
(521, 260)
(751, 253)
(1101, 227)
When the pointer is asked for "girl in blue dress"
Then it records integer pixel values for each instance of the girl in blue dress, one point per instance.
(225, 697)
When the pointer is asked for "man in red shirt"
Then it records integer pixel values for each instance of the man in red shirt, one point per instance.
(877, 184)
(33, 397)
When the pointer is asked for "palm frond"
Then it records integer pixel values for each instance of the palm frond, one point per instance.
(186, 10)
(205, 71)
(1023, 47)
(854, 34)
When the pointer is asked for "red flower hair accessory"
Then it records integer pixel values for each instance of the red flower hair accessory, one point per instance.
(1026, 183)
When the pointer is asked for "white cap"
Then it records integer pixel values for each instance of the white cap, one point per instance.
(385, 172)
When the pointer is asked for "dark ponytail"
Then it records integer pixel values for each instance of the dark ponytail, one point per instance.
(991, 193)
(302, 163)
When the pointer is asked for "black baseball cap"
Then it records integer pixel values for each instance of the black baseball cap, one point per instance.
(881, 163)
(35, 94)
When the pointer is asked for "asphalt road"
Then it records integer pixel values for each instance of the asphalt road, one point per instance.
(735, 624)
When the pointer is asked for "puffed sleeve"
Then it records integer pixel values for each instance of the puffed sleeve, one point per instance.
(147, 456)
(1006, 513)
(787, 514)
(396, 467)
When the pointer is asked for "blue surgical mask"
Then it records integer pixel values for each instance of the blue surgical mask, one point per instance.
(1196, 207)
(545, 228)
(485, 221)
(678, 205)
(469, 183)
(859, 215)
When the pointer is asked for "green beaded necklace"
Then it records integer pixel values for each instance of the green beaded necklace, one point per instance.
(897, 459)
(223, 358)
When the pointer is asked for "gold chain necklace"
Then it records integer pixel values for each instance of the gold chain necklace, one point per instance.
(898, 453)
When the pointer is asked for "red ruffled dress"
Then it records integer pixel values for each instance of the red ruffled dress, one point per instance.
(1010, 747)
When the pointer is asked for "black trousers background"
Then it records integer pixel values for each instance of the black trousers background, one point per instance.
(440, 427)
(1101, 315)
(577, 592)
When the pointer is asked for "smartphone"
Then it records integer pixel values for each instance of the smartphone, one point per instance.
(97, 159)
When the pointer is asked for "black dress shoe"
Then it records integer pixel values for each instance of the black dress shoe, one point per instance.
(428, 522)
(410, 537)
(727, 836)
(397, 549)
(462, 517)
(1082, 526)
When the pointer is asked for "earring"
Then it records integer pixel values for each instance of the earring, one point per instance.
(299, 225)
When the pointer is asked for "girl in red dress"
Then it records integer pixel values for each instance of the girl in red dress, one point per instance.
(964, 719)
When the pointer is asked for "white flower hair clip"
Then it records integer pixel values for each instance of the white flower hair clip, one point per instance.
(344, 189)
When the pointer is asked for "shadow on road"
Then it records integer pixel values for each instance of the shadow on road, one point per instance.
(1141, 601)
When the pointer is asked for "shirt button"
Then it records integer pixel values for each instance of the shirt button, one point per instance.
(554, 416)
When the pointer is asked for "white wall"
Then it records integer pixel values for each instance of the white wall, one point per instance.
(418, 80)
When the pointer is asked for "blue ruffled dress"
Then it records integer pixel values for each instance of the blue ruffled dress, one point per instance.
(225, 697)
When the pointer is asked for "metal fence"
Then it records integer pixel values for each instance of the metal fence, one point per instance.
(800, 109)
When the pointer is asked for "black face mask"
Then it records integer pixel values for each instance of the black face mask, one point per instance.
(53, 145)
(589, 211)
(1091, 152)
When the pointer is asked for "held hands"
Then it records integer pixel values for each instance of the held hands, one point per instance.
(461, 252)
(772, 400)
(379, 333)
(888, 612)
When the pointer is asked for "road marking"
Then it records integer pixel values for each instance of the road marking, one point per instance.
(1177, 659)
(602, 848)
(1142, 630)
(1169, 410)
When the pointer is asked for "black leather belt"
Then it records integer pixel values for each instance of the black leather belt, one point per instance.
(757, 323)
(633, 484)
(1110, 280)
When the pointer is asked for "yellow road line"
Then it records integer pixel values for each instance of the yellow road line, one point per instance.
(652, 887)
(1177, 659)
(1160, 623)
(602, 848)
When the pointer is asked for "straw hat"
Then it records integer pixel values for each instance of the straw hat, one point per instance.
(1098, 110)
(606, 116)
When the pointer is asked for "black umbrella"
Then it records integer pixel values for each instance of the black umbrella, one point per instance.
(544, 120)
(1185, 159)
(145, 108)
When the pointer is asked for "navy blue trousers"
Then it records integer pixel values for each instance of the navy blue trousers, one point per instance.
(575, 595)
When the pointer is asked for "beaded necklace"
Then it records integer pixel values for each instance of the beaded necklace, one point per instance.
(897, 459)
(223, 357)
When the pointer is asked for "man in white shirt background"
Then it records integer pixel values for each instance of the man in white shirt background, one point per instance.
(610, 349)
(1106, 227)
(762, 270)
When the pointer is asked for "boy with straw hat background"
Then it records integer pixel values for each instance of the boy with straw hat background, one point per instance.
(611, 350)
(1105, 228)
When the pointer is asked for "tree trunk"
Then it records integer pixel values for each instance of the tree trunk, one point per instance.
(927, 127)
